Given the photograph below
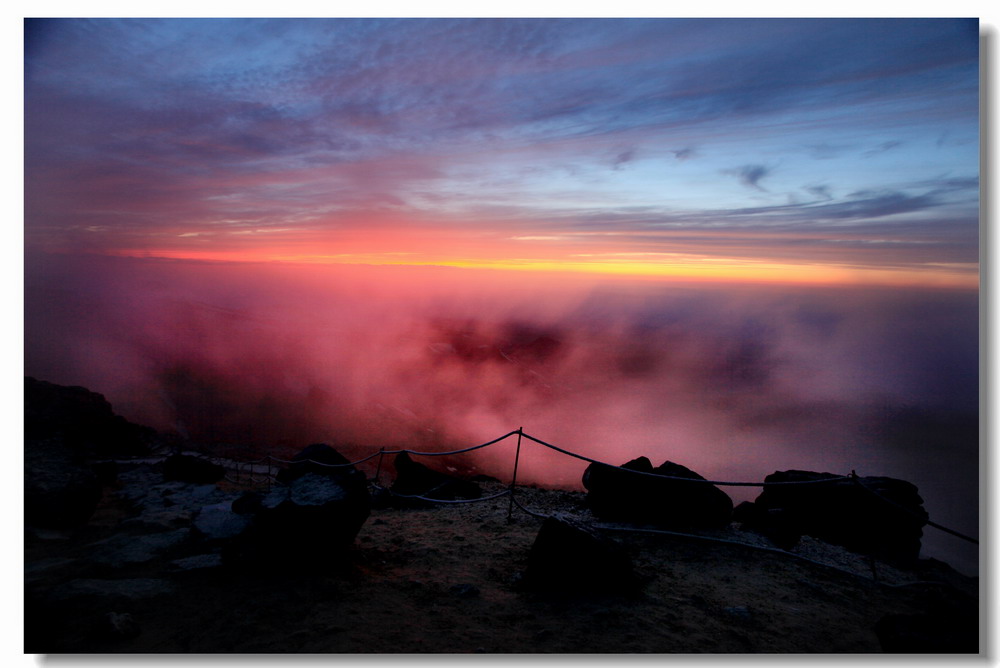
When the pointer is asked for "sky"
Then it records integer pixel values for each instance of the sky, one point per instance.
(740, 245)
(834, 151)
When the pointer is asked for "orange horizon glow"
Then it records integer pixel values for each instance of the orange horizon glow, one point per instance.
(706, 269)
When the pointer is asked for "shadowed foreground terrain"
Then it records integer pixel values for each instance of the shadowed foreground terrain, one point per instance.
(446, 579)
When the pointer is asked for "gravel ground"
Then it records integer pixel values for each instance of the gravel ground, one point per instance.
(446, 580)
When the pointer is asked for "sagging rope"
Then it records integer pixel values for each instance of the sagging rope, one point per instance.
(722, 483)
(389, 452)
(763, 548)
(331, 466)
(925, 520)
(445, 501)
(714, 539)
(694, 480)
(517, 503)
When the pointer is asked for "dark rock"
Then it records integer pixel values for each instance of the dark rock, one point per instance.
(567, 555)
(219, 522)
(106, 472)
(482, 477)
(746, 512)
(619, 495)
(845, 513)
(121, 550)
(248, 503)
(311, 522)
(188, 468)
(59, 490)
(157, 521)
(770, 522)
(381, 498)
(318, 458)
(83, 419)
(164, 504)
(415, 479)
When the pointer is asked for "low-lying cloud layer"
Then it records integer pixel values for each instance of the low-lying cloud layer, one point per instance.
(734, 382)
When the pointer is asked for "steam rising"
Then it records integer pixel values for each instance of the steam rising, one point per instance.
(732, 382)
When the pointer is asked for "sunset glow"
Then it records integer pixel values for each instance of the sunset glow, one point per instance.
(703, 269)
(800, 151)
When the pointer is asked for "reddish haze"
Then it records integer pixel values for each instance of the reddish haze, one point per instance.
(733, 382)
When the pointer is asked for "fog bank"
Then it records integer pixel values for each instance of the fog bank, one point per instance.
(732, 381)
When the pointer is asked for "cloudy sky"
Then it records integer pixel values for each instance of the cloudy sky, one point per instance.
(796, 150)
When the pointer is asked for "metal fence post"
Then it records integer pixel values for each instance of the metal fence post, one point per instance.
(513, 479)
(378, 469)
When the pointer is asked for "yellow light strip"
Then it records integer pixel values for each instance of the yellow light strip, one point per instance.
(701, 269)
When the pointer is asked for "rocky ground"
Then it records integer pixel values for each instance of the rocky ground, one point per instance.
(145, 574)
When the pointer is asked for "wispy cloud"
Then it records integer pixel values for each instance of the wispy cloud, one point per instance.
(320, 131)
(751, 175)
(883, 147)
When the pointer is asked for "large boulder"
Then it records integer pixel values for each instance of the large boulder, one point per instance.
(619, 495)
(772, 523)
(843, 512)
(189, 468)
(415, 479)
(310, 522)
(220, 522)
(83, 419)
(317, 458)
(567, 555)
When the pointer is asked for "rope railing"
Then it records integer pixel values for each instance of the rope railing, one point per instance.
(715, 539)
(453, 452)
(421, 497)
(925, 520)
(692, 480)
(386, 452)
(269, 460)
(324, 464)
